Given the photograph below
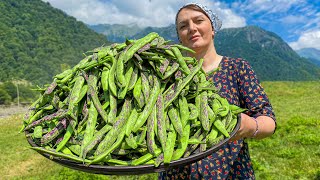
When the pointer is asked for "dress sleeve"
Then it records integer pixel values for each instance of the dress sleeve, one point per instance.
(252, 94)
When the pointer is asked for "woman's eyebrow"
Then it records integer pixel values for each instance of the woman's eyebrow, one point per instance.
(195, 17)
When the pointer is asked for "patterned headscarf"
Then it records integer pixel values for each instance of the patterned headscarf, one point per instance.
(215, 21)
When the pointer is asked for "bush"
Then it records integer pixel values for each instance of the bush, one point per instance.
(5, 98)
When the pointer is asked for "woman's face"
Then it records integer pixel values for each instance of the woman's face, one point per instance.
(194, 29)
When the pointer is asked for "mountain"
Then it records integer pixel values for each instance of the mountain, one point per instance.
(168, 33)
(121, 32)
(38, 41)
(270, 56)
(310, 53)
(116, 32)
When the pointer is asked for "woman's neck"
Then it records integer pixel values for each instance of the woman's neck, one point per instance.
(211, 58)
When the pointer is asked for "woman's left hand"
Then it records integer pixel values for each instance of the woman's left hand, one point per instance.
(247, 128)
(258, 128)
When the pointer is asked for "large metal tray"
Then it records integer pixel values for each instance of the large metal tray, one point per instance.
(140, 169)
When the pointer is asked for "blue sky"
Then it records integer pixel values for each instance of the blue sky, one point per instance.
(296, 21)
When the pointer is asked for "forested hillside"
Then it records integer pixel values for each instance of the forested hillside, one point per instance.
(271, 57)
(37, 41)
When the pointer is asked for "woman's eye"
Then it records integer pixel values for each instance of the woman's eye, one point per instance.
(199, 20)
(181, 27)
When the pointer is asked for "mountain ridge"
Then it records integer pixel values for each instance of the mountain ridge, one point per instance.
(312, 54)
(271, 57)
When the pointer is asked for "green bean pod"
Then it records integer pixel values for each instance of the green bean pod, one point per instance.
(130, 140)
(90, 127)
(170, 70)
(185, 81)
(212, 136)
(119, 71)
(183, 143)
(83, 92)
(175, 120)
(109, 150)
(180, 60)
(145, 85)
(181, 47)
(123, 91)
(161, 122)
(151, 131)
(236, 109)
(63, 74)
(131, 121)
(204, 117)
(194, 113)
(94, 97)
(112, 74)
(105, 79)
(117, 162)
(168, 151)
(232, 124)
(193, 147)
(145, 158)
(66, 137)
(111, 136)
(137, 90)
(149, 106)
(220, 126)
(94, 140)
(195, 141)
(139, 44)
(59, 154)
(225, 104)
(184, 110)
(55, 132)
(133, 78)
(143, 135)
(113, 109)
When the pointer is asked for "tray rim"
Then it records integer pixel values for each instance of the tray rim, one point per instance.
(140, 169)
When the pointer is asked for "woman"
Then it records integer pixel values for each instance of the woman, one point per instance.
(196, 27)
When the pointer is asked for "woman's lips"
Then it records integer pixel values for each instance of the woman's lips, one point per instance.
(194, 38)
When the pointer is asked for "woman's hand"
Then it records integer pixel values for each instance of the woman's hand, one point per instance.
(264, 125)
(247, 128)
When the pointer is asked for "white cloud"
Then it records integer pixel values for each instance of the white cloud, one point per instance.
(292, 19)
(157, 13)
(307, 40)
(269, 6)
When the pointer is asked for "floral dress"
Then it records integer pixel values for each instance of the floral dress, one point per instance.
(237, 82)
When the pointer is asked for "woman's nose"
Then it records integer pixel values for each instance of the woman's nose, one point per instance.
(192, 27)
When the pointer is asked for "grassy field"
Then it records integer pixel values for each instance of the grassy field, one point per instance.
(293, 152)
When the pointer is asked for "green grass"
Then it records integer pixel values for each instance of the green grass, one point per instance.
(293, 152)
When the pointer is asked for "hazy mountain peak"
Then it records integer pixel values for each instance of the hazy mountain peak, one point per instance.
(312, 54)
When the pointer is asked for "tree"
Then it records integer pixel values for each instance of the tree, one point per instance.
(4, 97)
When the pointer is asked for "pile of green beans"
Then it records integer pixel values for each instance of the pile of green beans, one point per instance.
(138, 102)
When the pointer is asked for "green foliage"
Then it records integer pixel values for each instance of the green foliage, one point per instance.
(5, 98)
(35, 39)
(9, 93)
(10, 88)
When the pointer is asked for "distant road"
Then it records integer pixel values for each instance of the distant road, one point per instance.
(6, 111)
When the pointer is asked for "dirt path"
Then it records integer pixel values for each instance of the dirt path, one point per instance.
(6, 111)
